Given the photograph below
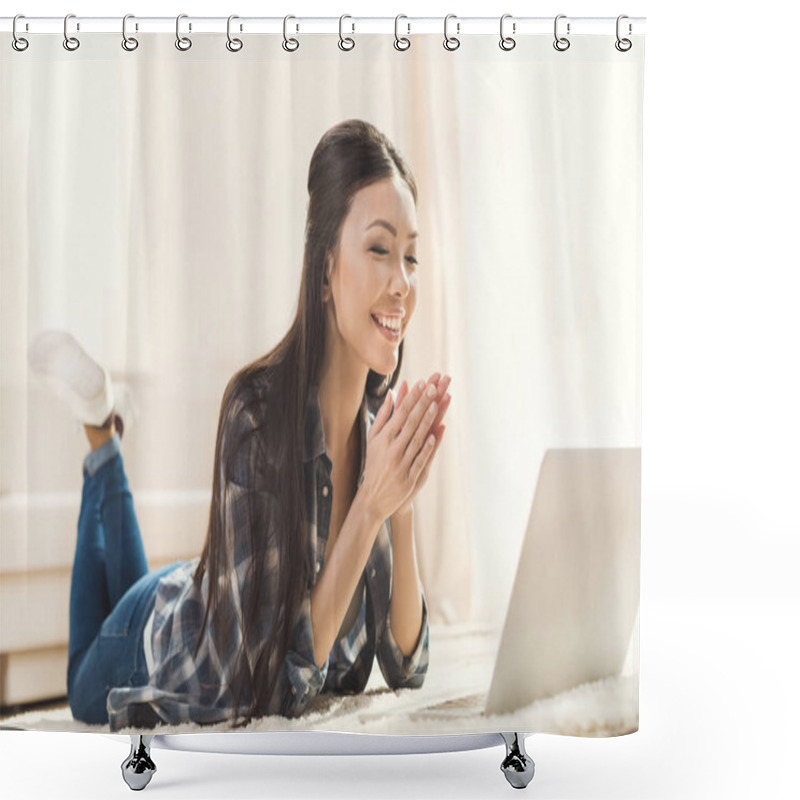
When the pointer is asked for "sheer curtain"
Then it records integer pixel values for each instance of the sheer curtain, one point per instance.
(154, 205)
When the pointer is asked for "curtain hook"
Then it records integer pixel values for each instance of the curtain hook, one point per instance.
(70, 42)
(623, 45)
(18, 42)
(451, 42)
(234, 45)
(129, 43)
(351, 44)
(506, 42)
(560, 40)
(397, 39)
(182, 42)
(295, 44)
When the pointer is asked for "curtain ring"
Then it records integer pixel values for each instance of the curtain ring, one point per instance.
(623, 45)
(129, 43)
(70, 42)
(451, 42)
(295, 44)
(182, 42)
(18, 42)
(234, 45)
(351, 44)
(406, 43)
(506, 42)
(560, 40)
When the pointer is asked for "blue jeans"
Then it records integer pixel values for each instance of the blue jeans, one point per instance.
(112, 592)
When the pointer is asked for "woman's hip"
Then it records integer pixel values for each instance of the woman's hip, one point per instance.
(115, 656)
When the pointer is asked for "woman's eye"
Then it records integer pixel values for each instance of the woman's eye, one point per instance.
(381, 252)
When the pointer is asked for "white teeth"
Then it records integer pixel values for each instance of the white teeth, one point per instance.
(391, 324)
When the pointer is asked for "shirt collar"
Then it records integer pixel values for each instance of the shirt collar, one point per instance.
(315, 436)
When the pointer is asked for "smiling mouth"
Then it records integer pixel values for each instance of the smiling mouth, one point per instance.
(391, 335)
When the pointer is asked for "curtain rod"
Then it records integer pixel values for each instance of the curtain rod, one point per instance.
(457, 26)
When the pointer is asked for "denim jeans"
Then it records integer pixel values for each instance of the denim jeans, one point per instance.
(112, 592)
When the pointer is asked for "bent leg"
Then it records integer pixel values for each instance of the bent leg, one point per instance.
(109, 554)
(126, 561)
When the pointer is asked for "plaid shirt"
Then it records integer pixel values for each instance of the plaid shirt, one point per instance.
(185, 689)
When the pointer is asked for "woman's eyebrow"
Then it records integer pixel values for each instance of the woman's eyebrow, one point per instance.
(389, 227)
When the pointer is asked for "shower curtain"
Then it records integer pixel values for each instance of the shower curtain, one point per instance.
(171, 210)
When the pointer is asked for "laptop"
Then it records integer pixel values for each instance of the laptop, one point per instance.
(575, 597)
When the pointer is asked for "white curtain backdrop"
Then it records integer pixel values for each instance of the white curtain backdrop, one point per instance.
(153, 203)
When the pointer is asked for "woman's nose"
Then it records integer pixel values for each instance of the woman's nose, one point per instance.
(400, 278)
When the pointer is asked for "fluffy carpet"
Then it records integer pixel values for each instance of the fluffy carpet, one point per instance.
(451, 701)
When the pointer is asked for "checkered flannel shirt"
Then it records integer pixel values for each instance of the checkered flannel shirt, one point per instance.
(187, 689)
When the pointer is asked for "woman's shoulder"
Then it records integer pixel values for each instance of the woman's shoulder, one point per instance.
(249, 400)
(251, 432)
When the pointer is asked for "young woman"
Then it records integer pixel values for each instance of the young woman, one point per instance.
(308, 572)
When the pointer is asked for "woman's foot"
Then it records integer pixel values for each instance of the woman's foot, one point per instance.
(61, 364)
(58, 360)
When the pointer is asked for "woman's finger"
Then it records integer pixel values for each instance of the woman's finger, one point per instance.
(384, 412)
(401, 393)
(403, 410)
(421, 460)
(419, 418)
(427, 457)
(444, 404)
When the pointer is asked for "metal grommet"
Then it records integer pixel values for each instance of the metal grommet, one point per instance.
(19, 43)
(406, 43)
(351, 44)
(623, 45)
(451, 42)
(295, 44)
(70, 42)
(182, 42)
(560, 40)
(129, 43)
(506, 42)
(234, 45)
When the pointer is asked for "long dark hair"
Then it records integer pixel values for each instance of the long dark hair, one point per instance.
(349, 156)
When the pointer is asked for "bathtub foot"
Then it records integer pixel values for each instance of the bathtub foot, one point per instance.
(517, 766)
(138, 767)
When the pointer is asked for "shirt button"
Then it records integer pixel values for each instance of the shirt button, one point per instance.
(325, 491)
(372, 572)
(318, 566)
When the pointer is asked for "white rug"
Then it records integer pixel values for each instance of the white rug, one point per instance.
(440, 707)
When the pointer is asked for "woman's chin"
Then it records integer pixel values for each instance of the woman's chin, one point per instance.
(384, 366)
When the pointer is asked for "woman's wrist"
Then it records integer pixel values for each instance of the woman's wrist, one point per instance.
(371, 515)
(403, 514)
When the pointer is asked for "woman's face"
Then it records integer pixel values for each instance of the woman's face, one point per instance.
(375, 277)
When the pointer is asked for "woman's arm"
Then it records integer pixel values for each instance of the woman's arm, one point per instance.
(406, 667)
(331, 596)
(406, 603)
